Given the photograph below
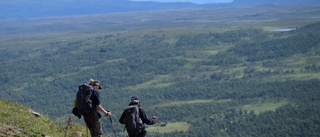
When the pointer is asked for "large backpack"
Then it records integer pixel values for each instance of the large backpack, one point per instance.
(84, 103)
(133, 123)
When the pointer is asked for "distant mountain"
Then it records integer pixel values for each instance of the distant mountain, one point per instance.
(38, 8)
(258, 2)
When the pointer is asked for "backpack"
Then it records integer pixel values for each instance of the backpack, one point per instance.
(133, 123)
(84, 104)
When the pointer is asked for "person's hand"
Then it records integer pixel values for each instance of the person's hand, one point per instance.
(108, 114)
(155, 119)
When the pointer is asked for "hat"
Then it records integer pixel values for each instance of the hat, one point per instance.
(97, 82)
(135, 98)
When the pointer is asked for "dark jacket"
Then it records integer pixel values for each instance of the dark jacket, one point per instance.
(95, 98)
(142, 114)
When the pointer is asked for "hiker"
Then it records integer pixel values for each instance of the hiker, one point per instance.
(92, 117)
(136, 128)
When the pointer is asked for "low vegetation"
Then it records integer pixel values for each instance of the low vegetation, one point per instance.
(20, 121)
(169, 127)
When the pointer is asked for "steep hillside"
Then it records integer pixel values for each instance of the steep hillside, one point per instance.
(20, 121)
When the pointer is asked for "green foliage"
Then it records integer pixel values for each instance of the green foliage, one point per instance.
(19, 121)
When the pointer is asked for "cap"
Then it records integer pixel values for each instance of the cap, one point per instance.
(135, 98)
(97, 83)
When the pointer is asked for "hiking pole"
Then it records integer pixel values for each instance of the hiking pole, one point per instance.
(87, 131)
(112, 126)
(67, 127)
(157, 127)
(124, 130)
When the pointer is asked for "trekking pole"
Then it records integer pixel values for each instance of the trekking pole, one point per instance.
(124, 130)
(112, 126)
(87, 131)
(67, 127)
(158, 128)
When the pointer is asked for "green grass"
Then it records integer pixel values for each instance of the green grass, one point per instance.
(303, 76)
(157, 82)
(170, 127)
(18, 121)
(173, 103)
(263, 107)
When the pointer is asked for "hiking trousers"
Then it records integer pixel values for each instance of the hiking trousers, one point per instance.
(93, 123)
(141, 134)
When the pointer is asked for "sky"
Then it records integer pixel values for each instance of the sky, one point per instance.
(192, 1)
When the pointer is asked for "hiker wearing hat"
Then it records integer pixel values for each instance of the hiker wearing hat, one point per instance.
(92, 119)
(134, 117)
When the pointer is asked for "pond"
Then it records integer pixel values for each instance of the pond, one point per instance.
(283, 29)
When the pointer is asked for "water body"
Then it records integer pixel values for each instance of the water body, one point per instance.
(283, 29)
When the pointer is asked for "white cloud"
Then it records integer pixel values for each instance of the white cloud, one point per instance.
(192, 1)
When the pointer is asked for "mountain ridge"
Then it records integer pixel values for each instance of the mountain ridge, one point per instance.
(40, 9)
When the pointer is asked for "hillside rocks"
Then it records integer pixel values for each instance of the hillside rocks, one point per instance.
(7, 130)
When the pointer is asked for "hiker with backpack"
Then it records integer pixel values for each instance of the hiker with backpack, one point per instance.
(134, 117)
(88, 104)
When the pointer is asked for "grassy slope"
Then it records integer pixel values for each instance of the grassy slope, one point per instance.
(17, 120)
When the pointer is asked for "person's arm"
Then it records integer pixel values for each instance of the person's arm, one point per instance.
(107, 113)
(96, 99)
(145, 119)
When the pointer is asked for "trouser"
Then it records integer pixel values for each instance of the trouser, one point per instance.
(93, 123)
(141, 134)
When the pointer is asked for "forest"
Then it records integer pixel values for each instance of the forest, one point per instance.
(242, 81)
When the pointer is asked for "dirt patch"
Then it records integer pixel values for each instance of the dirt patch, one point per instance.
(6, 130)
